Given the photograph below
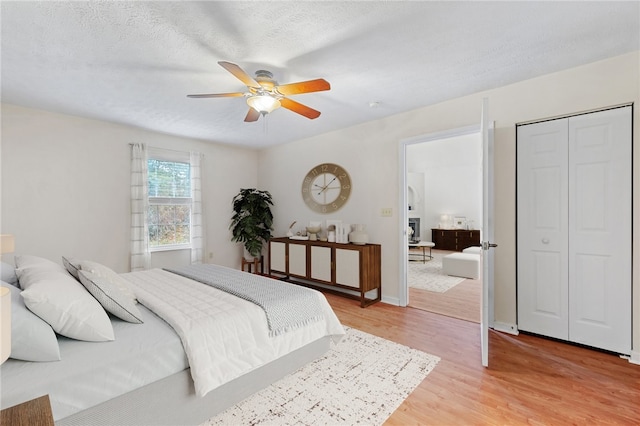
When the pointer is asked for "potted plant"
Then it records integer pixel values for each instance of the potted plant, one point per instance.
(252, 219)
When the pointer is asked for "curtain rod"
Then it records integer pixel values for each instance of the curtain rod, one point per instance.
(169, 149)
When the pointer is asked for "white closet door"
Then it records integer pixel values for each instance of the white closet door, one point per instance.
(542, 187)
(600, 229)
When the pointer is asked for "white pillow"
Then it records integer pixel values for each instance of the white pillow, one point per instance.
(56, 297)
(30, 268)
(32, 339)
(106, 272)
(72, 265)
(110, 296)
(8, 274)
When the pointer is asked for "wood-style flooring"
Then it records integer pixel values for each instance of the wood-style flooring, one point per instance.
(461, 301)
(530, 380)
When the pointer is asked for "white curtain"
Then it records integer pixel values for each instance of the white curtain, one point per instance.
(140, 254)
(197, 225)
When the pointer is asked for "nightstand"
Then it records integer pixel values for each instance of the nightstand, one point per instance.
(36, 412)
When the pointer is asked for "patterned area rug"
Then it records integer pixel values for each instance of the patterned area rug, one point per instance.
(429, 276)
(363, 379)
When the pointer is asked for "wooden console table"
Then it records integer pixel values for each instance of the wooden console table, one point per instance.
(348, 270)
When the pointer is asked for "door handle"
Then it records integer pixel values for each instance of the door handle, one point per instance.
(545, 241)
(486, 245)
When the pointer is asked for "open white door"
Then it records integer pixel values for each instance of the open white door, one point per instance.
(487, 230)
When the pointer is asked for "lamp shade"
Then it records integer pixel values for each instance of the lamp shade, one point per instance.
(5, 324)
(7, 243)
(263, 103)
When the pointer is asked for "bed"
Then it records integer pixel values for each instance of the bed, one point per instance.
(199, 349)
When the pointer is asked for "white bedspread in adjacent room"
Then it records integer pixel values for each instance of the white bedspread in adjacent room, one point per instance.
(224, 336)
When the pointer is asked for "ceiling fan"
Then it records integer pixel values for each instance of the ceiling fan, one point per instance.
(265, 95)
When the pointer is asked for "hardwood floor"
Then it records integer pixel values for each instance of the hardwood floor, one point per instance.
(461, 301)
(530, 380)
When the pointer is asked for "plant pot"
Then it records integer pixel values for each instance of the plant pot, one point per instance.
(247, 255)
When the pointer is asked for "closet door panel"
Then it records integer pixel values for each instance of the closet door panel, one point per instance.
(600, 232)
(542, 228)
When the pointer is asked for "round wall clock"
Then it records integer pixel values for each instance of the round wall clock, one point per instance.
(326, 188)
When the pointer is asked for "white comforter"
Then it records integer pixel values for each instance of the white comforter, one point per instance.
(224, 336)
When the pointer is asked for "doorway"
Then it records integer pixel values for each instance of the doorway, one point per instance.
(443, 175)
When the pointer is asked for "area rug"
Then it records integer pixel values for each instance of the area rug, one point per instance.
(361, 380)
(429, 276)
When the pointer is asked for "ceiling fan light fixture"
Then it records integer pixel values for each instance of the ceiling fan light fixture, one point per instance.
(264, 104)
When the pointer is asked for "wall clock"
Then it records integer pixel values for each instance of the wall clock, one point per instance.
(326, 188)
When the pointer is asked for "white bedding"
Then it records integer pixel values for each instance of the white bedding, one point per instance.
(224, 336)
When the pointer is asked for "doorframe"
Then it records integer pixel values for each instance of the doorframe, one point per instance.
(403, 217)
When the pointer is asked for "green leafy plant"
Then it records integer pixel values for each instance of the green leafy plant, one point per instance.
(252, 220)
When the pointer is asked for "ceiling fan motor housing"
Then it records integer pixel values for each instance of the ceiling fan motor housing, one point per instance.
(265, 78)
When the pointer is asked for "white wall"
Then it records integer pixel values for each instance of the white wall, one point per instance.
(370, 153)
(452, 171)
(65, 187)
(49, 198)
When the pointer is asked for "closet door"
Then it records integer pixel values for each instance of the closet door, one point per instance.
(542, 186)
(600, 231)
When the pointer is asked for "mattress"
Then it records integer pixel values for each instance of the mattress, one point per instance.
(141, 354)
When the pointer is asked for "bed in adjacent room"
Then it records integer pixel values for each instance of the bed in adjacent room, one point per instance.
(201, 339)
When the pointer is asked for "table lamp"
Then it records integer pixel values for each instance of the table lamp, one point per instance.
(6, 246)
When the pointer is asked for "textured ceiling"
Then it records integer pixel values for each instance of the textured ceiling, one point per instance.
(135, 62)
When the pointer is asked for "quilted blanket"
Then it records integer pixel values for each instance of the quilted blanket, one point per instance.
(223, 336)
(287, 306)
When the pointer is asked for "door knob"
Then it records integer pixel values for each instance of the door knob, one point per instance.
(545, 241)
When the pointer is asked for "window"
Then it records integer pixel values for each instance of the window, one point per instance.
(169, 204)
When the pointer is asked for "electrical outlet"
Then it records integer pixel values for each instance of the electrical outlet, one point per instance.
(386, 212)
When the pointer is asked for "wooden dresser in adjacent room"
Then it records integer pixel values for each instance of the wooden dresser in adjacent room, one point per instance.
(455, 239)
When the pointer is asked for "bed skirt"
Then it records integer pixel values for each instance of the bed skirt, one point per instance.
(173, 401)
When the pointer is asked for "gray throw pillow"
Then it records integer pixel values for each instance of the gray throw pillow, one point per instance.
(8, 274)
(110, 296)
(32, 339)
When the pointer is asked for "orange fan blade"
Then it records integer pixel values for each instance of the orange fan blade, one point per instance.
(252, 115)
(304, 87)
(239, 73)
(299, 108)
(217, 95)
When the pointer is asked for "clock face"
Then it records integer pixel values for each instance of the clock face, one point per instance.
(326, 188)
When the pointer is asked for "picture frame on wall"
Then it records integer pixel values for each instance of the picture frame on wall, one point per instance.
(459, 222)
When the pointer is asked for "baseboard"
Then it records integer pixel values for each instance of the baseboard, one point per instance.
(635, 357)
(390, 300)
(505, 327)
